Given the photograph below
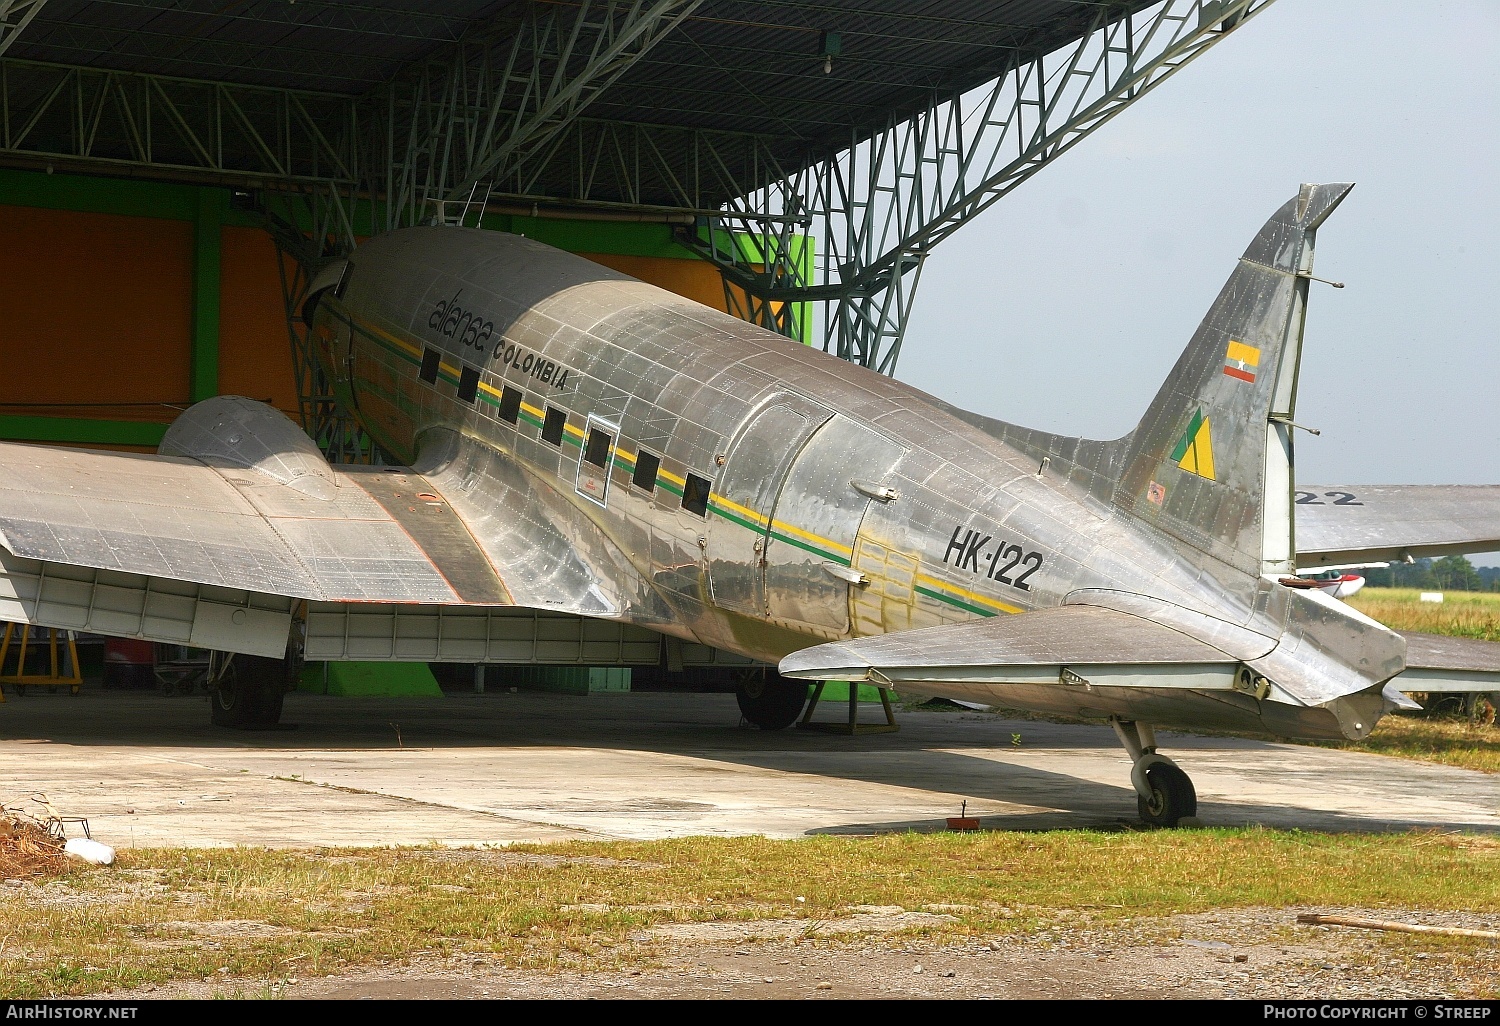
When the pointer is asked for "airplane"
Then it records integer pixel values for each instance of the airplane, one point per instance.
(577, 444)
(1335, 581)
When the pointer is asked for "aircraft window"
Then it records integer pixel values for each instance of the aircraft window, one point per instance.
(468, 385)
(552, 430)
(646, 466)
(695, 495)
(510, 404)
(430, 360)
(597, 449)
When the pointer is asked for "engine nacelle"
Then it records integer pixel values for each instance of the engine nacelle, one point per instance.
(234, 432)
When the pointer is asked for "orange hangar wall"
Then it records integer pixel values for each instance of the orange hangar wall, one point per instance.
(126, 301)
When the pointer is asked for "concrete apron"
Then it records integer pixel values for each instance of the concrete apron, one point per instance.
(503, 768)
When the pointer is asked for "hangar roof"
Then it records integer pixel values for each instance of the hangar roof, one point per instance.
(747, 65)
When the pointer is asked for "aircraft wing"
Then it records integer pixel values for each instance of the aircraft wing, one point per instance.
(1339, 526)
(371, 540)
(213, 541)
(1076, 644)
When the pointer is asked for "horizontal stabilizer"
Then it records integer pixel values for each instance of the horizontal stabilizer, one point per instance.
(1438, 663)
(1077, 645)
(1363, 523)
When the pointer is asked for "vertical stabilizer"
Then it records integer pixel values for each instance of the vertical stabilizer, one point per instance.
(1211, 461)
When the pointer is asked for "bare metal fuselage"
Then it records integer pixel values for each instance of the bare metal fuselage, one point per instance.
(798, 499)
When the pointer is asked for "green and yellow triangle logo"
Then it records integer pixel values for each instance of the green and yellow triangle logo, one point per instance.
(1195, 450)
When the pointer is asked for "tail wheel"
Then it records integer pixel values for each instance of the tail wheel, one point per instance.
(1172, 796)
(247, 691)
(769, 700)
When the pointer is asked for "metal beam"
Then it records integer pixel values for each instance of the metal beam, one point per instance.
(203, 379)
(880, 206)
(504, 92)
(15, 15)
(187, 130)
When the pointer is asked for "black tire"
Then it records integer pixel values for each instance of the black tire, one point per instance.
(769, 700)
(248, 693)
(1172, 796)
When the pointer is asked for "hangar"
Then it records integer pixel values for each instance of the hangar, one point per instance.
(173, 173)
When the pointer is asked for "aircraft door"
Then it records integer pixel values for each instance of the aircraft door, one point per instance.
(818, 514)
(745, 491)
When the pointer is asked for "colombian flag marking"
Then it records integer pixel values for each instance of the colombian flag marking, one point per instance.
(1241, 361)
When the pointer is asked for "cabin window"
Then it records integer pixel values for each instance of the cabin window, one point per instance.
(468, 385)
(552, 429)
(695, 494)
(594, 460)
(431, 359)
(646, 466)
(510, 404)
(598, 447)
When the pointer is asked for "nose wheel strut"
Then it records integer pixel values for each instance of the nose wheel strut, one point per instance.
(1164, 793)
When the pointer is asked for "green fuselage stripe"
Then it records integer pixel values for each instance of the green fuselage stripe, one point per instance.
(954, 602)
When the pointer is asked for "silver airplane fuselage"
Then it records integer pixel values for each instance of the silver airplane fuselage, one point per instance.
(747, 492)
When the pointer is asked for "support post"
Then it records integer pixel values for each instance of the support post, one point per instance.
(853, 726)
(203, 382)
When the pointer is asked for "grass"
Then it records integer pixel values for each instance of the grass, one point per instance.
(238, 914)
(1449, 740)
(1446, 740)
(1461, 614)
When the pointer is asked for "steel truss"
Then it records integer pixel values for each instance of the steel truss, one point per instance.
(115, 121)
(502, 116)
(310, 230)
(501, 96)
(15, 15)
(877, 208)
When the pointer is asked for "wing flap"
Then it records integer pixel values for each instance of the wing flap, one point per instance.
(1353, 523)
(1075, 645)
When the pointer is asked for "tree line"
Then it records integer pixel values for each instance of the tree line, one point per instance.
(1451, 573)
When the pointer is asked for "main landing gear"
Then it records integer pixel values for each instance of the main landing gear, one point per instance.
(245, 692)
(769, 700)
(1165, 794)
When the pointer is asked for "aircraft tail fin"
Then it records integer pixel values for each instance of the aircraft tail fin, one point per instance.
(1211, 461)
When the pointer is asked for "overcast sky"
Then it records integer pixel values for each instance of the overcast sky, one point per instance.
(1065, 305)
